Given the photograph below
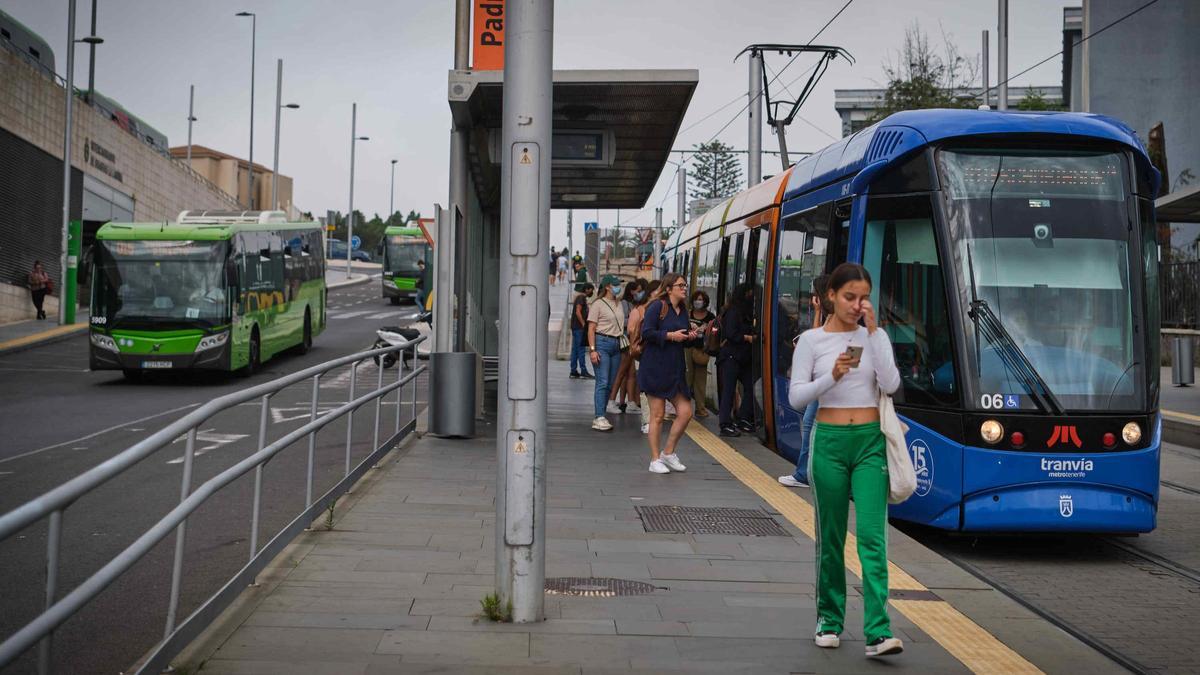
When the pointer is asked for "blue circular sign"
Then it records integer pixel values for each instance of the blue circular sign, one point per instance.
(355, 242)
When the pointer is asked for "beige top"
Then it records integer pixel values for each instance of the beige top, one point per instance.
(606, 315)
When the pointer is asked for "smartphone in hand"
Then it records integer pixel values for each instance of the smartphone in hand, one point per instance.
(855, 354)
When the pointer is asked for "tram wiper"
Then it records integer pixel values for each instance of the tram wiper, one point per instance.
(1006, 348)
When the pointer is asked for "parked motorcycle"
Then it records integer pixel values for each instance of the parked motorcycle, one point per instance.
(390, 336)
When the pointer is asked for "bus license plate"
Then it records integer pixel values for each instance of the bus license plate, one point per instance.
(157, 364)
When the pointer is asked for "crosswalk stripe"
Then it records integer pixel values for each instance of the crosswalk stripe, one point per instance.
(348, 315)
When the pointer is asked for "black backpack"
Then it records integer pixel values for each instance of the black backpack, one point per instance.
(712, 339)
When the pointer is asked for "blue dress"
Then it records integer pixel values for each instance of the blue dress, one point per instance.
(662, 372)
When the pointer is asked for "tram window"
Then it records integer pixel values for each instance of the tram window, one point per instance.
(913, 175)
(734, 267)
(802, 245)
(900, 251)
(840, 233)
(708, 261)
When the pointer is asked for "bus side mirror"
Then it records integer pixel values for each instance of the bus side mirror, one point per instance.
(264, 254)
(85, 266)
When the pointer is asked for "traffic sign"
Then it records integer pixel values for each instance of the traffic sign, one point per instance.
(355, 243)
(591, 226)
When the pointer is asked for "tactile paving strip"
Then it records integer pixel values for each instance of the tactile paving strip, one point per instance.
(709, 520)
(597, 587)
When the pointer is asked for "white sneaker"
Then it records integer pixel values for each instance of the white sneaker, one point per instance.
(657, 466)
(885, 647)
(613, 408)
(790, 481)
(672, 462)
(601, 424)
(827, 639)
(633, 409)
(645, 428)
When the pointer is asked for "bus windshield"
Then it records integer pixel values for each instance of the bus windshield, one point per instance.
(1041, 242)
(160, 284)
(403, 252)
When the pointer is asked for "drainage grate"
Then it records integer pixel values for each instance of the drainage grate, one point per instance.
(709, 520)
(596, 587)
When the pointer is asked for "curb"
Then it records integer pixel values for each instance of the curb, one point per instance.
(1180, 429)
(45, 337)
(350, 282)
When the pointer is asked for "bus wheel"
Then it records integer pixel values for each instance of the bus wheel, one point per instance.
(306, 342)
(395, 300)
(255, 356)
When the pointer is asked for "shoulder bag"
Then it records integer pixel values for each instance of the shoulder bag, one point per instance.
(618, 317)
(902, 479)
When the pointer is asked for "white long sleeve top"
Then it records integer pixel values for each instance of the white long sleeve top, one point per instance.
(812, 369)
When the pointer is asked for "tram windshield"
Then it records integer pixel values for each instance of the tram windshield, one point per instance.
(1042, 246)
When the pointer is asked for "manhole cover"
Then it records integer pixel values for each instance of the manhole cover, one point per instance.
(709, 520)
(598, 587)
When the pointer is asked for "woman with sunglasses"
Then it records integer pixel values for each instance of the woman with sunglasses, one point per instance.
(666, 334)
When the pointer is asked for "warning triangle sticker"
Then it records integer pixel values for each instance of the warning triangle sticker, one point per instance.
(526, 159)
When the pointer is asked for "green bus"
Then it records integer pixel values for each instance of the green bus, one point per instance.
(216, 290)
(403, 247)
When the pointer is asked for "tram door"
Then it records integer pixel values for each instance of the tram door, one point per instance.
(756, 265)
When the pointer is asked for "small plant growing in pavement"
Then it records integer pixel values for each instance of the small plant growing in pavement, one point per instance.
(329, 518)
(492, 611)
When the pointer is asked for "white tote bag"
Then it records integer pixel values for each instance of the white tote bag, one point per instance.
(902, 479)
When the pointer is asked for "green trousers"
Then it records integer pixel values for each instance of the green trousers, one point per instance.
(844, 458)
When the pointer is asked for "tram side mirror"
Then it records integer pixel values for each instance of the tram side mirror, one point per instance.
(1043, 236)
(264, 254)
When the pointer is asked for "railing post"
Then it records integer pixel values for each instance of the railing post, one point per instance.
(399, 376)
(180, 534)
(53, 537)
(312, 441)
(350, 416)
(379, 399)
(414, 386)
(258, 474)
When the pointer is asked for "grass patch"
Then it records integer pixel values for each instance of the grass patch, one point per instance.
(493, 611)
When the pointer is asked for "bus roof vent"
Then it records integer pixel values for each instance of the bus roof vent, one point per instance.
(231, 217)
(884, 144)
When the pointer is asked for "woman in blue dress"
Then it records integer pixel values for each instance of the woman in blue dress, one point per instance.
(662, 375)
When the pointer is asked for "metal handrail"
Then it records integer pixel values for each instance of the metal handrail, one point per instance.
(53, 503)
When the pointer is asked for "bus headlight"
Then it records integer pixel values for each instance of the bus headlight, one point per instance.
(991, 431)
(212, 341)
(1131, 433)
(104, 342)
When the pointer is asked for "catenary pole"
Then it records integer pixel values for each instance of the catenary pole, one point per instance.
(1002, 55)
(681, 199)
(278, 112)
(191, 118)
(92, 58)
(754, 147)
(987, 95)
(521, 443)
(658, 265)
(350, 213)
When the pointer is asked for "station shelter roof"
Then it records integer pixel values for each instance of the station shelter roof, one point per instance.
(1181, 206)
(642, 108)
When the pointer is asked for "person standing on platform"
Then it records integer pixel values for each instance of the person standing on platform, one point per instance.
(580, 276)
(624, 392)
(651, 293)
(735, 361)
(697, 363)
(579, 313)
(562, 265)
(39, 286)
(845, 366)
(553, 266)
(606, 331)
(422, 284)
(666, 334)
(821, 308)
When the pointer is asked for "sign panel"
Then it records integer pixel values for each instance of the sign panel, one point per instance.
(590, 226)
(355, 242)
(488, 35)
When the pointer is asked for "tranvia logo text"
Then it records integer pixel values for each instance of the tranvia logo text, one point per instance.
(1066, 468)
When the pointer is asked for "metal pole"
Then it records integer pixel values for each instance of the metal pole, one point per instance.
(658, 242)
(350, 416)
(53, 538)
(570, 239)
(400, 376)
(66, 200)
(392, 198)
(253, 45)
(458, 217)
(191, 118)
(754, 163)
(350, 213)
(1002, 55)
(521, 444)
(278, 110)
(444, 279)
(781, 132)
(987, 94)
(681, 198)
(92, 58)
(379, 399)
(462, 34)
(1085, 55)
(180, 534)
(312, 440)
(258, 475)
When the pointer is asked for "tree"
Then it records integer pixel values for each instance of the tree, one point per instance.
(921, 78)
(716, 173)
(1035, 99)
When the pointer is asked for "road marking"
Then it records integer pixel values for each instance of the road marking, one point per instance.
(47, 370)
(98, 433)
(213, 440)
(966, 640)
(347, 315)
(302, 412)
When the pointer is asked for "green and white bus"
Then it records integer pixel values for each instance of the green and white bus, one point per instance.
(216, 290)
(403, 247)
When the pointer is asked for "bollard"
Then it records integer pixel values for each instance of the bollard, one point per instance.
(1183, 362)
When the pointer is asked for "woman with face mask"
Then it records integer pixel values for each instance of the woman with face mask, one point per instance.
(624, 394)
(700, 317)
(606, 328)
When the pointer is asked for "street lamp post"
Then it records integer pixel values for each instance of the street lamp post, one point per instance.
(67, 261)
(250, 162)
(191, 118)
(392, 198)
(354, 138)
(279, 106)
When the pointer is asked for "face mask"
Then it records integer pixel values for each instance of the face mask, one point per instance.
(616, 290)
(699, 304)
(638, 295)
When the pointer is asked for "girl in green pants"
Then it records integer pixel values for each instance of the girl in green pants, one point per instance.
(844, 366)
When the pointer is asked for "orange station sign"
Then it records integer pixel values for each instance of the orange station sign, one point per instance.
(488, 35)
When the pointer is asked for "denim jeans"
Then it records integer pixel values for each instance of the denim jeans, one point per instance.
(609, 350)
(578, 352)
(810, 417)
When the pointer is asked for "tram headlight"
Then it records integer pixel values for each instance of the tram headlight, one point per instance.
(991, 431)
(1131, 433)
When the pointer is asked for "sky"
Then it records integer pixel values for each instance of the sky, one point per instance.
(392, 58)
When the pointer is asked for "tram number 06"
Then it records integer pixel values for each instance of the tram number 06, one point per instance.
(992, 401)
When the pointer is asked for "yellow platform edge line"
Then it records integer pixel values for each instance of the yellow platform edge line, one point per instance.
(967, 641)
(1172, 413)
(38, 337)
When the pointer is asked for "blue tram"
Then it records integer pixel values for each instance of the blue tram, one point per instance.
(1015, 263)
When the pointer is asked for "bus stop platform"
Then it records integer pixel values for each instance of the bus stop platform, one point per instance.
(393, 583)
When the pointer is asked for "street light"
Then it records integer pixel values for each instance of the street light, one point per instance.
(250, 163)
(191, 118)
(392, 199)
(67, 261)
(354, 138)
(278, 108)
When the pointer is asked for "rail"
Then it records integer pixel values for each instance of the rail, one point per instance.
(54, 503)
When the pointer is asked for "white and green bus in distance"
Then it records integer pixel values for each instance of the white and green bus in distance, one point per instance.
(403, 247)
(216, 290)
